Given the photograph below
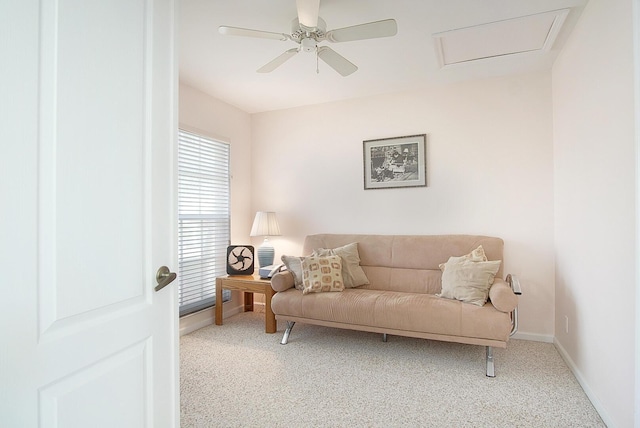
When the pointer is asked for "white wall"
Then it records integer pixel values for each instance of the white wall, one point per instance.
(595, 206)
(490, 172)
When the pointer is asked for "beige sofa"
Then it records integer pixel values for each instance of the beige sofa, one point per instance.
(404, 276)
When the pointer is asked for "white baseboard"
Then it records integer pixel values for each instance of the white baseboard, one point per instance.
(258, 307)
(205, 317)
(583, 383)
(534, 337)
(565, 356)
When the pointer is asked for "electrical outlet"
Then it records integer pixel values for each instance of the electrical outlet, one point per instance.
(566, 324)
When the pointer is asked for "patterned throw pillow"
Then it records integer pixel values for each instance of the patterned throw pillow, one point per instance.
(321, 274)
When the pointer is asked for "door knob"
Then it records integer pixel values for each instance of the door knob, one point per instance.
(164, 277)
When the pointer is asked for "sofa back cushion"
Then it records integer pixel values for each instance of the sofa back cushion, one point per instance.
(408, 263)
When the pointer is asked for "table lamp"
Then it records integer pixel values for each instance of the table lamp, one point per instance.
(265, 224)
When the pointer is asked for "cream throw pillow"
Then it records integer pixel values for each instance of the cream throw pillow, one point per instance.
(294, 265)
(468, 281)
(321, 274)
(476, 255)
(352, 273)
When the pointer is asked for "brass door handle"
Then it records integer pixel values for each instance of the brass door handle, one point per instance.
(164, 277)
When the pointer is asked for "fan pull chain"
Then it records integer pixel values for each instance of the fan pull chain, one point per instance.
(317, 63)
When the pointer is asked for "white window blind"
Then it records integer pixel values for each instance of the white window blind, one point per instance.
(203, 217)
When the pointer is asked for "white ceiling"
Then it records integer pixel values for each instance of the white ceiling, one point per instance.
(225, 66)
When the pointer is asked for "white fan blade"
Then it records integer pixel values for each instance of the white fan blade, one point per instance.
(278, 61)
(371, 30)
(308, 11)
(235, 31)
(336, 61)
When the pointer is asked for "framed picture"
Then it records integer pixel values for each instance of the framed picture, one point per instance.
(395, 162)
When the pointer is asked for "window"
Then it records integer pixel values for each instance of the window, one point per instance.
(203, 219)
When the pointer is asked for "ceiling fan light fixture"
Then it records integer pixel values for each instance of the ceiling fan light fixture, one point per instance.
(309, 44)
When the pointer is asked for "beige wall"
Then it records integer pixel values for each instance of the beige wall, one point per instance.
(490, 170)
(595, 206)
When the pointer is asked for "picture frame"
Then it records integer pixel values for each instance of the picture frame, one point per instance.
(391, 163)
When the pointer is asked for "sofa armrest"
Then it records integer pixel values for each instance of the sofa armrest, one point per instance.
(282, 281)
(502, 296)
(515, 286)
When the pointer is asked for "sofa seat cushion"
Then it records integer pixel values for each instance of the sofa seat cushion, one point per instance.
(424, 313)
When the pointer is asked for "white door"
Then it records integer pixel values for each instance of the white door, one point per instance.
(87, 129)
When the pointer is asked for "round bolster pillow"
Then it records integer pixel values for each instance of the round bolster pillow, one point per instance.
(282, 281)
(502, 297)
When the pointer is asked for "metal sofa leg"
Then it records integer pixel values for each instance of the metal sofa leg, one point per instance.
(287, 332)
(384, 337)
(491, 372)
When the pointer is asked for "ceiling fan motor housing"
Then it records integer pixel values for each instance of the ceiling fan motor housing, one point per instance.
(300, 33)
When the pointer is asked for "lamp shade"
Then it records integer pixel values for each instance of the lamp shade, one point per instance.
(265, 224)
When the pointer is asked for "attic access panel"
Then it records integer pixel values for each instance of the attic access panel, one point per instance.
(512, 36)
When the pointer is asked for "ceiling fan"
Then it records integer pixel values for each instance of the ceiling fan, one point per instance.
(308, 30)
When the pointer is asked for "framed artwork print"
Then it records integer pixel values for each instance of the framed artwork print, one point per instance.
(395, 162)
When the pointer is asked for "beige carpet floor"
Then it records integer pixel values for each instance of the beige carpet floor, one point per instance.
(235, 375)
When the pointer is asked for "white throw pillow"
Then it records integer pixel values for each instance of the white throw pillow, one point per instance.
(476, 255)
(468, 281)
(294, 265)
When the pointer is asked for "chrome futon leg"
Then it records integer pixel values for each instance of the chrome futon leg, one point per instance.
(491, 372)
(287, 332)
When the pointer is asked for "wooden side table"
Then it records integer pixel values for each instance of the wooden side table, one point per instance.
(248, 285)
